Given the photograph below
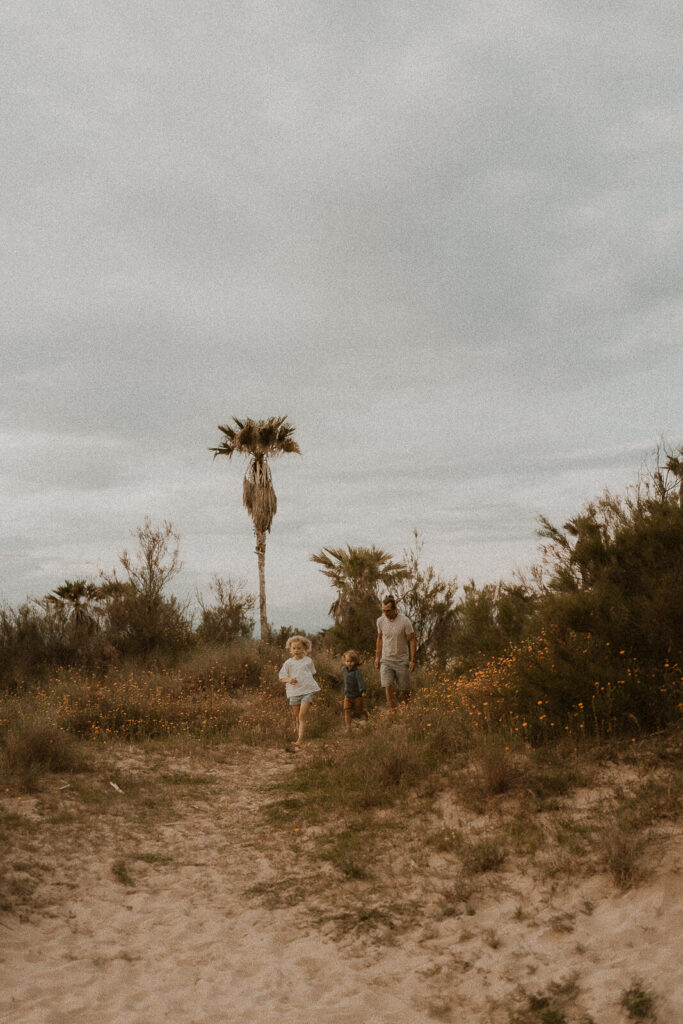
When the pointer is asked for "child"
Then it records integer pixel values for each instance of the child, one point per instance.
(297, 672)
(354, 688)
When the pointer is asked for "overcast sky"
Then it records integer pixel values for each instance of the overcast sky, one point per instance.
(445, 238)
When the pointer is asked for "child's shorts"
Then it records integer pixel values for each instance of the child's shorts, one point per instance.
(354, 704)
(304, 698)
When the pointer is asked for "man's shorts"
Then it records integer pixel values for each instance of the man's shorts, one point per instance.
(395, 674)
(306, 698)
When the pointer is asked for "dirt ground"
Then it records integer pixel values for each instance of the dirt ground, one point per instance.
(171, 896)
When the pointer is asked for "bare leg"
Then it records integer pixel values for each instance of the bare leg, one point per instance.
(302, 716)
(347, 719)
(295, 712)
(392, 699)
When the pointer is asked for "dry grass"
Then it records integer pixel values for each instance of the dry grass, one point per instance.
(549, 1006)
(120, 872)
(358, 791)
(639, 1002)
(31, 746)
(352, 851)
(525, 803)
(416, 860)
(631, 820)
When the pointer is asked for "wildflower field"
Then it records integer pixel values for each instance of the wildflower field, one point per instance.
(544, 688)
(538, 693)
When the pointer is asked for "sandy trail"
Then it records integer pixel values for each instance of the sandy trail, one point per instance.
(185, 944)
(192, 942)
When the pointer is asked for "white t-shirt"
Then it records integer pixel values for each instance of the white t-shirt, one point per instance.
(395, 633)
(303, 670)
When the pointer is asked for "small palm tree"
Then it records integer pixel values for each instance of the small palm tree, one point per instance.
(259, 440)
(357, 574)
(357, 571)
(77, 596)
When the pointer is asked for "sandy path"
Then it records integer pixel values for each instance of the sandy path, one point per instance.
(191, 943)
(185, 945)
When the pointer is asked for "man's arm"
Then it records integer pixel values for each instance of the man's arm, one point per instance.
(413, 648)
(378, 650)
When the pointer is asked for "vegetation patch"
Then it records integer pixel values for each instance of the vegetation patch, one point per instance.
(284, 891)
(380, 923)
(639, 1002)
(151, 857)
(33, 745)
(120, 871)
(187, 779)
(546, 1007)
(624, 835)
(482, 855)
(351, 851)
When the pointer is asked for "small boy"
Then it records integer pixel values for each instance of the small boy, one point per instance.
(354, 688)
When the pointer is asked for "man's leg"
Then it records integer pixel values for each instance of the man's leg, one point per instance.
(403, 683)
(387, 678)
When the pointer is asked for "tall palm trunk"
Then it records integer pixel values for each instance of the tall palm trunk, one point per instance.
(261, 555)
(259, 440)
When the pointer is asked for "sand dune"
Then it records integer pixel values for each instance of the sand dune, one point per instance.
(193, 941)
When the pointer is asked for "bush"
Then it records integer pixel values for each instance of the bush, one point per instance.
(88, 624)
(615, 574)
(598, 647)
(33, 745)
(561, 683)
(228, 618)
(32, 637)
(486, 620)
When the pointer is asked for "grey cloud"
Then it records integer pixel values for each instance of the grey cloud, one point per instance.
(443, 238)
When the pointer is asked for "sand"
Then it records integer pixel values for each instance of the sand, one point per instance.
(229, 920)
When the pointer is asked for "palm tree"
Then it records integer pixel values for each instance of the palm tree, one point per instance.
(259, 440)
(77, 596)
(357, 571)
(357, 574)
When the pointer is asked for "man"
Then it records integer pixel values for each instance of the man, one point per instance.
(395, 653)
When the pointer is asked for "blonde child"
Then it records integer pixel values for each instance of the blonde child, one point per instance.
(297, 672)
(354, 688)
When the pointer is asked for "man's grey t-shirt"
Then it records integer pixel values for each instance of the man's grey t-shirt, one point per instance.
(395, 633)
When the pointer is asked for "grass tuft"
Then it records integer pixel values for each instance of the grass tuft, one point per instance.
(639, 1003)
(549, 1007)
(121, 874)
(350, 852)
(32, 746)
(483, 855)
